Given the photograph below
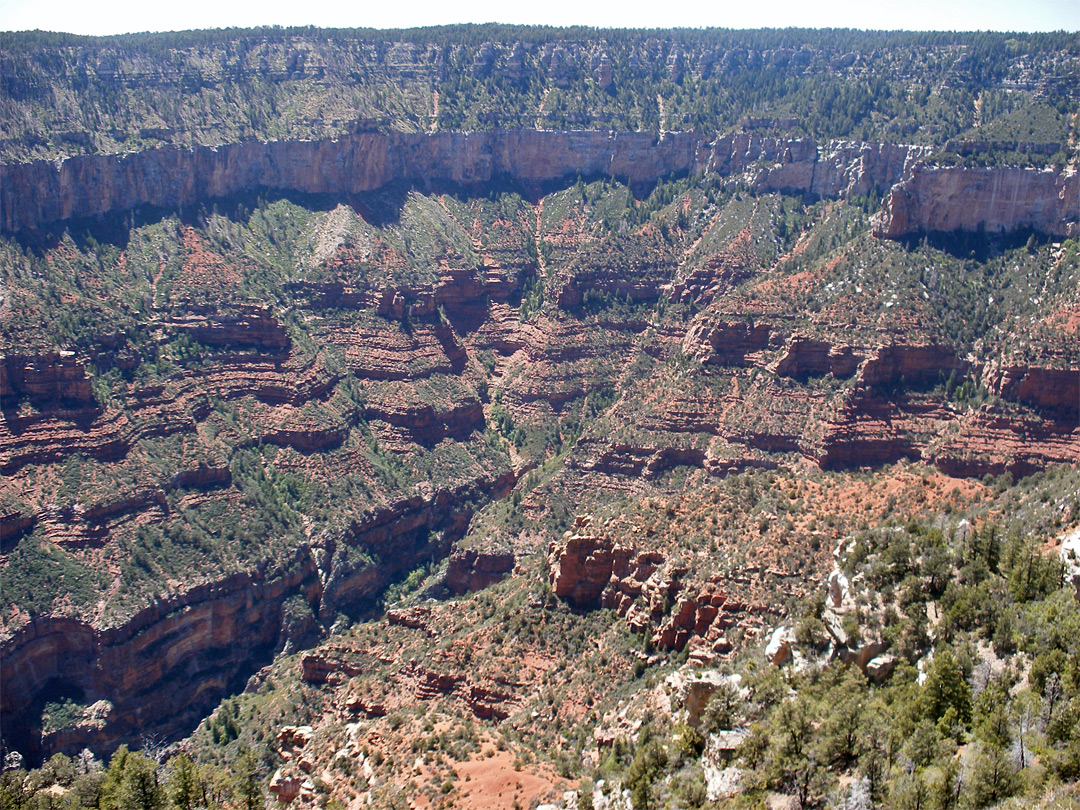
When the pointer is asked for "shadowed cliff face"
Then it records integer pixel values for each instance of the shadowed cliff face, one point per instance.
(162, 670)
(35, 194)
(184, 654)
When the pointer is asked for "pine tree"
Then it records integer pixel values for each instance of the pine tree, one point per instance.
(110, 789)
(183, 783)
(945, 689)
(139, 788)
(248, 784)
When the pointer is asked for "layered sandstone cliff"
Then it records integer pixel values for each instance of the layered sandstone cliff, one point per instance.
(184, 653)
(165, 667)
(995, 199)
(927, 199)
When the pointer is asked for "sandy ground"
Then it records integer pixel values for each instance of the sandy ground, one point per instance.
(492, 782)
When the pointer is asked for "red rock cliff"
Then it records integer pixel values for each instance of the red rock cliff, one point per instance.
(33, 194)
(997, 199)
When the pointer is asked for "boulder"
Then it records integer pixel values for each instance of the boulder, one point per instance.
(1070, 558)
(880, 667)
(838, 587)
(778, 651)
(286, 788)
(693, 693)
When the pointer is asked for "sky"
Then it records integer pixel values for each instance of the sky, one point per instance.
(124, 16)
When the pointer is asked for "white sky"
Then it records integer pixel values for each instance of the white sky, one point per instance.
(121, 16)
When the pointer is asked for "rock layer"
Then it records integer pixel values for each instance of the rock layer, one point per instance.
(994, 198)
(928, 199)
(185, 653)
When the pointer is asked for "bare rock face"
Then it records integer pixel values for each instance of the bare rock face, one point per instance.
(285, 787)
(1056, 391)
(727, 343)
(483, 699)
(694, 692)
(880, 668)
(590, 569)
(807, 357)
(997, 199)
(1070, 559)
(865, 645)
(49, 380)
(582, 563)
(604, 79)
(801, 166)
(471, 570)
(778, 650)
(249, 327)
(921, 199)
(36, 193)
(318, 667)
(917, 364)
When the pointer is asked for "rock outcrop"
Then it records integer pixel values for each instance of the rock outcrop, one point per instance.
(1055, 391)
(245, 327)
(921, 199)
(184, 653)
(915, 365)
(1069, 551)
(582, 565)
(806, 357)
(589, 569)
(778, 650)
(995, 199)
(49, 380)
(472, 570)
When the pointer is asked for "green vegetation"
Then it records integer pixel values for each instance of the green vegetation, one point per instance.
(977, 727)
(979, 709)
(133, 780)
(38, 575)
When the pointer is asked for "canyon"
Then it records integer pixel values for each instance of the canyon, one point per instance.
(406, 418)
(175, 645)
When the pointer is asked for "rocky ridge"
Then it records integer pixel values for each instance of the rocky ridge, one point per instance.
(928, 199)
(658, 599)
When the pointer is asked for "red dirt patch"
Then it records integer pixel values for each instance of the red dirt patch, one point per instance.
(491, 782)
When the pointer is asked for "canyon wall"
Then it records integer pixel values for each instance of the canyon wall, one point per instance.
(184, 653)
(993, 198)
(162, 670)
(38, 193)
